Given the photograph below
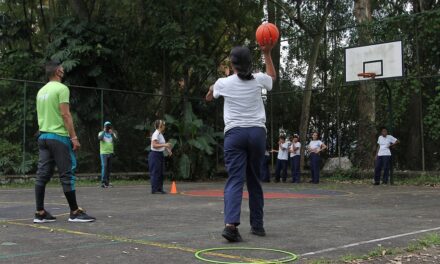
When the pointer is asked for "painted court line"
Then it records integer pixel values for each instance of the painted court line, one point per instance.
(135, 241)
(369, 242)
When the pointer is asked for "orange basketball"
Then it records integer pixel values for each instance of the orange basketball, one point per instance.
(267, 32)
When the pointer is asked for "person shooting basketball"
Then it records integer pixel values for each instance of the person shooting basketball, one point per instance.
(245, 134)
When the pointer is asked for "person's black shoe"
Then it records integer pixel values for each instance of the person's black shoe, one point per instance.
(258, 231)
(284, 180)
(109, 185)
(163, 192)
(231, 234)
(385, 183)
(46, 217)
(277, 180)
(80, 216)
(376, 183)
(311, 181)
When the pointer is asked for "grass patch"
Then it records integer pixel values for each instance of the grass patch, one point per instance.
(429, 240)
(80, 183)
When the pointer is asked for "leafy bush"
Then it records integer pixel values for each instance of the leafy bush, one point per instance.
(194, 143)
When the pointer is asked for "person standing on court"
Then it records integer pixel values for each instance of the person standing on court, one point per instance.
(315, 148)
(106, 137)
(383, 156)
(245, 137)
(265, 170)
(282, 159)
(295, 158)
(57, 141)
(156, 157)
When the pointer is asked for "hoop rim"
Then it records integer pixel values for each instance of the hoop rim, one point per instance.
(371, 75)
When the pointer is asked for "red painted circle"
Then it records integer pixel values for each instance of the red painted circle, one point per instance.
(267, 195)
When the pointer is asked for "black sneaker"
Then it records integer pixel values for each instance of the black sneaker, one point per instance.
(258, 231)
(376, 183)
(46, 217)
(80, 217)
(231, 234)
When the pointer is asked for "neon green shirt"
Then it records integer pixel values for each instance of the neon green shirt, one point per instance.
(49, 98)
(106, 142)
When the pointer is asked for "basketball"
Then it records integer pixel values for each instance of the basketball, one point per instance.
(266, 32)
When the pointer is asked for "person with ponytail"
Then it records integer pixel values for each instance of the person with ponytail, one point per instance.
(156, 157)
(245, 137)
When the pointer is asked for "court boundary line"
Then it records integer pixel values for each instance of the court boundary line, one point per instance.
(133, 241)
(368, 242)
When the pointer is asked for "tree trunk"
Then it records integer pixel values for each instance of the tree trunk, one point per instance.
(80, 9)
(165, 88)
(366, 134)
(305, 114)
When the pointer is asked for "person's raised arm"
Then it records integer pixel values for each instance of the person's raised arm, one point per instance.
(68, 123)
(270, 68)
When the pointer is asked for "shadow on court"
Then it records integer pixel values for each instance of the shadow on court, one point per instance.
(134, 226)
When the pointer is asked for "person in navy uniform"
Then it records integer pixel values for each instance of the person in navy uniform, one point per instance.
(156, 157)
(295, 158)
(383, 156)
(265, 170)
(315, 147)
(282, 159)
(245, 137)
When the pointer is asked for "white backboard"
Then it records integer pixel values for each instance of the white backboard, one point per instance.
(385, 60)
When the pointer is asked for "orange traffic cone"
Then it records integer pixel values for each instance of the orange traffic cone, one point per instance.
(173, 188)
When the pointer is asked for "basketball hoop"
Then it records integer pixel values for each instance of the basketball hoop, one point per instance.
(370, 75)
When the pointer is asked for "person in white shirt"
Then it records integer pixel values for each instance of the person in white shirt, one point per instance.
(314, 148)
(295, 158)
(245, 137)
(156, 157)
(383, 156)
(283, 156)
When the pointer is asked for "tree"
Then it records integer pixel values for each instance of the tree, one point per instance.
(366, 144)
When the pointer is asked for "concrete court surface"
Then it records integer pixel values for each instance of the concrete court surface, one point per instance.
(135, 226)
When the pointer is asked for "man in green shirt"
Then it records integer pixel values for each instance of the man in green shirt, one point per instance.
(57, 142)
(106, 138)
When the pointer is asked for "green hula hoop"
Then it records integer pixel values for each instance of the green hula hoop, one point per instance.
(290, 256)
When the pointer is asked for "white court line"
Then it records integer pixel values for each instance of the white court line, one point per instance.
(369, 241)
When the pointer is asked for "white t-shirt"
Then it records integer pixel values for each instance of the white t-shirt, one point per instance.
(159, 137)
(297, 152)
(315, 145)
(384, 145)
(283, 154)
(243, 103)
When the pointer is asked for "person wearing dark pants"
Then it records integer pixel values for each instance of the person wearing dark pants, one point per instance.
(282, 159)
(265, 170)
(156, 157)
(244, 151)
(315, 148)
(106, 139)
(295, 158)
(245, 137)
(57, 142)
(383, 156)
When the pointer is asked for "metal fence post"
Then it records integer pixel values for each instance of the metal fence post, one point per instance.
(24, 129)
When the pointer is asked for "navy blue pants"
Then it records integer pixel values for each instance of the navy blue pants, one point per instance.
(244, 152)
(281, 168)
(295, 163)
(106, 167)
(265, 170)
(155, 165)
(315, 162)
(385, 163)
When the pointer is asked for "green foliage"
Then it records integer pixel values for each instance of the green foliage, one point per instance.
(194, 146)
(432, 117)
